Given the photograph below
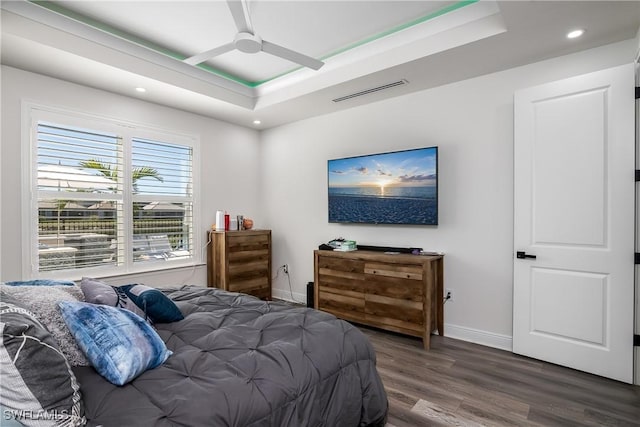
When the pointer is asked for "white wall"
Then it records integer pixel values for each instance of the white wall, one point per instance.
(638, 46)
(0, 188)
(229, 153)
(472, 124)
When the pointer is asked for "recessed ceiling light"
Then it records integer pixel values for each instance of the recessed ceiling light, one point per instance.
(575, 34)
(256, 122)
(140, 89)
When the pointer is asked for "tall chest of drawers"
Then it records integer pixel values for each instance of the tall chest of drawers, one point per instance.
(240, 261)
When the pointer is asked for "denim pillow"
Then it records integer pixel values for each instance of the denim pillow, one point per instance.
(119, 344)
(156, 305)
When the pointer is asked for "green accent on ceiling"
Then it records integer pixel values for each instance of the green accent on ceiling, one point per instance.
(162, 50)
(132, 38)
(440, 12)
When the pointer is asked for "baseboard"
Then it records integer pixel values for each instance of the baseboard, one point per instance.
(287, 296)
(490, 339)
(636, 356)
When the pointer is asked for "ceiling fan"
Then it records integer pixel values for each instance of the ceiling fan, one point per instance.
(248, 41)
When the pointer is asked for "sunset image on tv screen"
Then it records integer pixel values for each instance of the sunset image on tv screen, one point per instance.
(389, 188)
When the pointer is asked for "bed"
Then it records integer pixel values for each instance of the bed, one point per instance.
(240, 361)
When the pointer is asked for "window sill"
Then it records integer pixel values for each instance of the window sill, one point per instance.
(75, 275)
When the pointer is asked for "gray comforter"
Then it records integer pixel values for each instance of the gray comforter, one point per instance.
(239, 361)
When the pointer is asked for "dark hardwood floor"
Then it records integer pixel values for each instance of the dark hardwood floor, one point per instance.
(458, 383)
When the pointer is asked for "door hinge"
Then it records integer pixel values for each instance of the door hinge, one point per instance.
(637, 258)
(637, 92)
(636, 340)
(637, 175)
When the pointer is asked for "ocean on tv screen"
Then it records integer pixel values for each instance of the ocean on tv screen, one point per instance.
(390, 205)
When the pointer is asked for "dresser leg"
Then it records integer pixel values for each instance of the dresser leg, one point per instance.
(426, 341)
(440, 297)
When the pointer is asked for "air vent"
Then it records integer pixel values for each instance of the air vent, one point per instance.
(372, 90)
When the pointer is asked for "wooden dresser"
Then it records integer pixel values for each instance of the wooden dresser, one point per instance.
(240, 261)
(397, 292)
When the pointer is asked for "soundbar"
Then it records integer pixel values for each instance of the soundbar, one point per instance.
(389, 249)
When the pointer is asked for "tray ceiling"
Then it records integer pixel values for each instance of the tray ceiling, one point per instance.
(318, 29)
(117, 45)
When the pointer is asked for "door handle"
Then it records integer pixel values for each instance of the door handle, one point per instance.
(523, 255)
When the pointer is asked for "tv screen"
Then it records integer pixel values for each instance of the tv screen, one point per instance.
(399, 187)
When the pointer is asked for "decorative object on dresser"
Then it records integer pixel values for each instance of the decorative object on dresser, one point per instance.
(397, 292)
(240, 261)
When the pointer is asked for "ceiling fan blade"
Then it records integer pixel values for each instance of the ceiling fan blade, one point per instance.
(211, 53)
(240, 12)
(291, 55)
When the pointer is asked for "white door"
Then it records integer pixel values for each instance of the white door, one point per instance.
(574, 211)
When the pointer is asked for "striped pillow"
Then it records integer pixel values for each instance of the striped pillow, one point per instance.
(38, 386)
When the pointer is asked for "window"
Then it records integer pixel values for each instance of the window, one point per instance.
(110, 197)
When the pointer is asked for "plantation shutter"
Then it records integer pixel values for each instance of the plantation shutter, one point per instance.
(111, 197)
(79, 197)
(162, 194)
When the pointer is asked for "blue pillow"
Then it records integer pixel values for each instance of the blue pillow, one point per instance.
(119, 344)
(41, 282)
(156, 305)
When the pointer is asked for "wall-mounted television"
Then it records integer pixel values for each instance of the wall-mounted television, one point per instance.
(399, 187)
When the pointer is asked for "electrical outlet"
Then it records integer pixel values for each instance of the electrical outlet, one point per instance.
(448, 295)
(285, 268)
